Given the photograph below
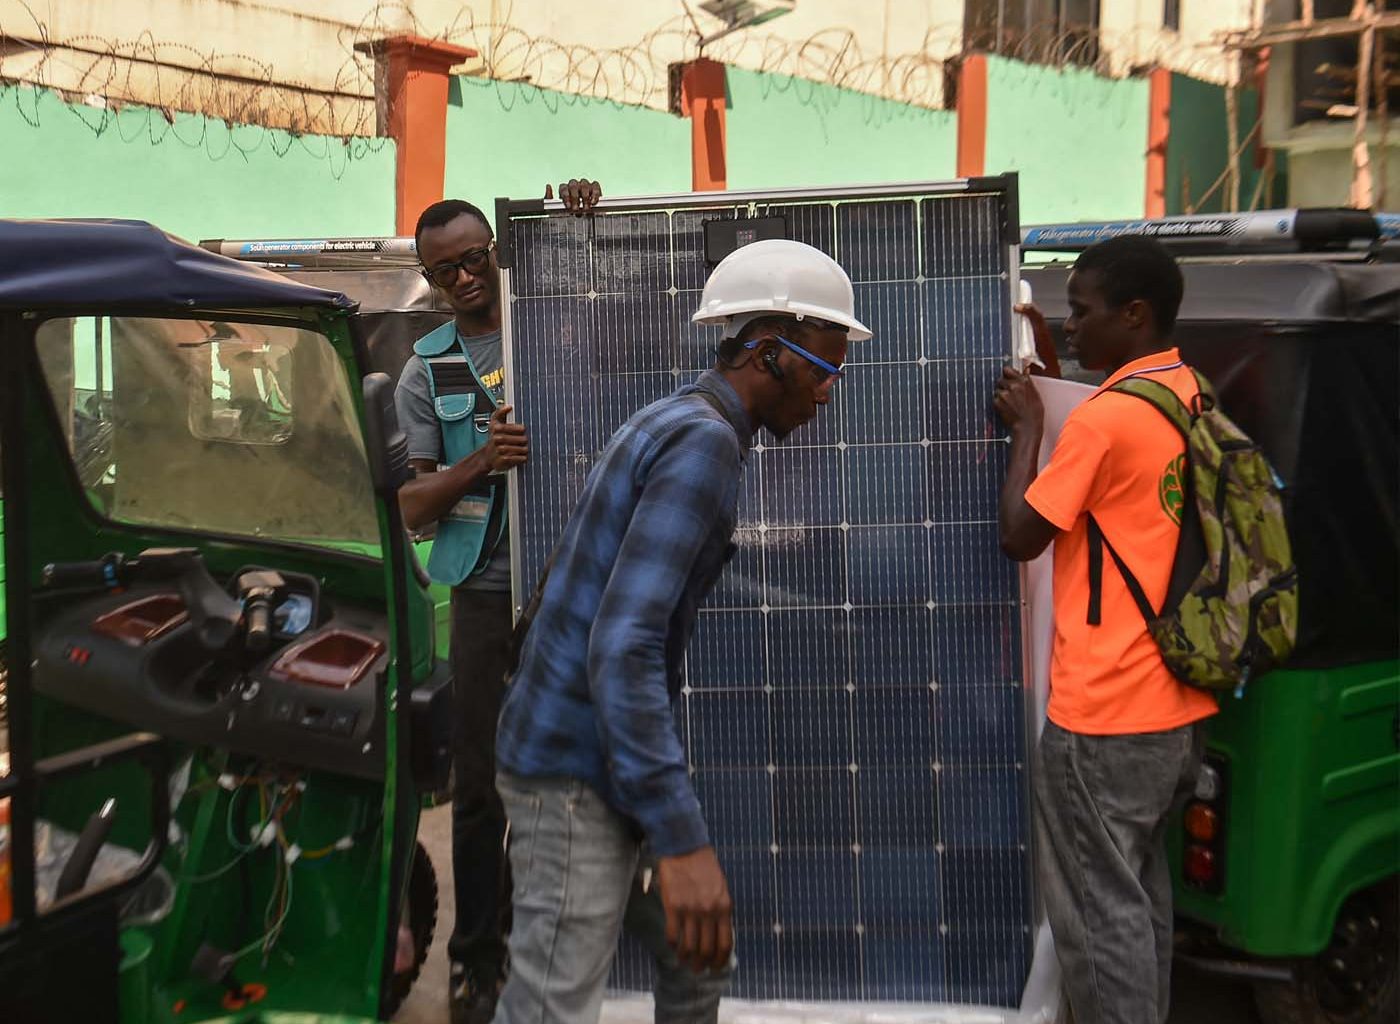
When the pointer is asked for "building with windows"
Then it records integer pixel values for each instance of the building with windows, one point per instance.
(1332, 97)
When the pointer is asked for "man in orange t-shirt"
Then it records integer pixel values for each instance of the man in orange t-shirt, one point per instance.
(1123, 739)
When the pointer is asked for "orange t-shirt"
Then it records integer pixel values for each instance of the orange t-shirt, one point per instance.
(1120, 459)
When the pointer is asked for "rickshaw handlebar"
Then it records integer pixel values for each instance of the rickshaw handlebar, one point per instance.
(108, 572)
(216, 616)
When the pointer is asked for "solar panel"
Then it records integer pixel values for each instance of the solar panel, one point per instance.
(854, 708)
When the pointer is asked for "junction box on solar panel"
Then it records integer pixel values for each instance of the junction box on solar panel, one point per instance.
(724, 236)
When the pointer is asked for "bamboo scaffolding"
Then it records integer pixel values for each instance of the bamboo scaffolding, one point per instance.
(1370, 25)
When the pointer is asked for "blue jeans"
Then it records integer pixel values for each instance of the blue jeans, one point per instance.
(575, 864)
(1102, 804)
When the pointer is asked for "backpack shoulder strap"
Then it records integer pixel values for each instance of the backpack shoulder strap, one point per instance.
(527, 617)
(1160, 397)
(1203, 385)
(1169, 404)
(1097, 542)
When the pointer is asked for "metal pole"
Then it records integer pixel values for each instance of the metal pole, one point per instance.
(1232, 134)
(1381, 82)
(1266, 177)
(98, 366)
(1362, 192)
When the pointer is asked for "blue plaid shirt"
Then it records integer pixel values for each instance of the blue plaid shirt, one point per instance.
(602, 662)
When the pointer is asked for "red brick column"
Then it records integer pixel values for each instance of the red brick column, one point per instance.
(1159, 126)
(972, 116)
(412, 92)
(703, 101)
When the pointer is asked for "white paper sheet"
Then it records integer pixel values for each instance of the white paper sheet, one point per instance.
(1059, 398)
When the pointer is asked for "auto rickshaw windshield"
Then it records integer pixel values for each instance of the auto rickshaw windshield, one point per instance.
(226, 427)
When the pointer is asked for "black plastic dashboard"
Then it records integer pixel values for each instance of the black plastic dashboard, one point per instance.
(310, 699)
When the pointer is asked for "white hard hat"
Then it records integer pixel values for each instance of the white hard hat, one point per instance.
(781, 276)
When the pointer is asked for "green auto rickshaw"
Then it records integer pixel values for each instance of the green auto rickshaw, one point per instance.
(223, 699)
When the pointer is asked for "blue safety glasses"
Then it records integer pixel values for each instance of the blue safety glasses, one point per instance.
(821, 369)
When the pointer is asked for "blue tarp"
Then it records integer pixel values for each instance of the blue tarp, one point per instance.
(131, 265)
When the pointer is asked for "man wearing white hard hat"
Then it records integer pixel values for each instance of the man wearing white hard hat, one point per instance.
(605, 825)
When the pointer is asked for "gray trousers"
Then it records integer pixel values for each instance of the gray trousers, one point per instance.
(575, 864)
(1102, 804)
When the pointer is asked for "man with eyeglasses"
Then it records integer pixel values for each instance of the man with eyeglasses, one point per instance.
(606, 829)
(461, 441)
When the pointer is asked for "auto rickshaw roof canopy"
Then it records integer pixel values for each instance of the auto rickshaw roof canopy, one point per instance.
(1265, 289)
(133, 265)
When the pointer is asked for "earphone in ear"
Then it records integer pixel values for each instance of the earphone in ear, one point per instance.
(770, 363)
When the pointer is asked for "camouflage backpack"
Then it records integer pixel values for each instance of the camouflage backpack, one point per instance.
(1231, 611)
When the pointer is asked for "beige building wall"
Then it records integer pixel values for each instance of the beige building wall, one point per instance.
(1322, 177)
(1134, 36)
(293, 63)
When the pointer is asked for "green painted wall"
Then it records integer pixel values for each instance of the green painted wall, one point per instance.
(1198, 149)
(1079, 141)
(510, 139)
(195, 177)
(789, 131)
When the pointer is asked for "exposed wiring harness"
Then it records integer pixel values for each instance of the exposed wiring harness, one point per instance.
(278, 795)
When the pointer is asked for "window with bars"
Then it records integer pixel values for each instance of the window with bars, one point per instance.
(1039, 31)
(1325, 70)
(1171, 15)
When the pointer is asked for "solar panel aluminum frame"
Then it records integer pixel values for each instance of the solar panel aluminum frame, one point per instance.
(508, 210)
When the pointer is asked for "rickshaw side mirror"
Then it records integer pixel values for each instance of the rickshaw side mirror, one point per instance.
(386, 443)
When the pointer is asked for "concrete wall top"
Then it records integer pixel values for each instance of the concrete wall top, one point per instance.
(294, 63)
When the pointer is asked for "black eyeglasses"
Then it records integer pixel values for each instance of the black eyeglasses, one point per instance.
(473, 261)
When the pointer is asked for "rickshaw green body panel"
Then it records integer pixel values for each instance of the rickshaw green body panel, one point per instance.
(1314, 805)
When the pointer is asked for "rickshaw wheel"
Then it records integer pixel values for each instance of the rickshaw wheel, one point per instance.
(422, 905)
(1356, 979)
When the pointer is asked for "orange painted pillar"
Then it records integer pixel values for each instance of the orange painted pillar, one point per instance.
(1261, 83)
(1159, 125)
(972, 116)
(703, 101)
(412, 80)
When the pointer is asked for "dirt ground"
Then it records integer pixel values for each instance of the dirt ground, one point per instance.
(1195, 999)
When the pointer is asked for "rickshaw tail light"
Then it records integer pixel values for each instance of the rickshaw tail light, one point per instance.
(1201, 822)
(1199, 864)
